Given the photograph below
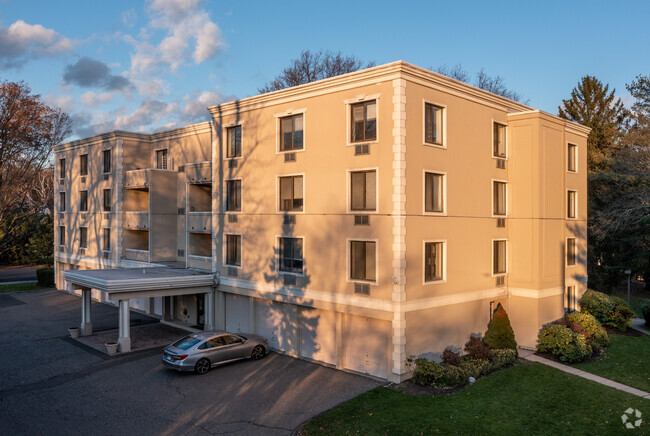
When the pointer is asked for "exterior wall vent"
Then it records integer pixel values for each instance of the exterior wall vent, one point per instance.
(361, 149)
(290, 157)
(361, 220)
(501, 280)
(232, 218)
(501, 222)
(181, 168)
(501, 163)
(232, 163)
(362, 288)
(233, 272)
(289, 279)
(181, 211)
(289, 219)
(181, 253)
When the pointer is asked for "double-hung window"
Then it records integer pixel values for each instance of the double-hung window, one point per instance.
(61, 235)
(363, 195)
(106, 161)
(161, 159)
(363, 263)
(433, 124)
(572, 204)
(106, 239)
(364, 121)
(83, 201)
(434, 192)
(233, 142)
(433, 261)
(291, 194)
(83, 237)
(572, 158)
(233, 195)
(61, 201)
(499, 257)
(571, 251)
(290, 259)
(233, 250)
(83, 165)
(499, 198)
(291, 132)
(499, 140)
(62, 168)
(107, 200)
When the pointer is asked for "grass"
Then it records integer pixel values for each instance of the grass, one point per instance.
(20, 287)
(529, 399)
(637, 305)
(625, 361)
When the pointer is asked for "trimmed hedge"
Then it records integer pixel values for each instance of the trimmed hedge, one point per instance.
(611, 311)
(596, 335)
(646, 313)
(564, 343)
(45, 277)
(503, 357)
(499, 334)
(476, 349)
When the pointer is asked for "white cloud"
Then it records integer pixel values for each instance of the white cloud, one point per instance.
(22, 41)
(63, 102)
(196, 107)
(92, 99)
(129, 18)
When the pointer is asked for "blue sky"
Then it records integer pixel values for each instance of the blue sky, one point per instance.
(150, 65)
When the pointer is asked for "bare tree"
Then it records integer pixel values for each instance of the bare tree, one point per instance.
(309, 67)
(493, 84)
(456, 72)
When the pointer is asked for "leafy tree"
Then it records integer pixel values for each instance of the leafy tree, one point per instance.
(28, 130)
(493, 84)
(309, 67)
(593, 106)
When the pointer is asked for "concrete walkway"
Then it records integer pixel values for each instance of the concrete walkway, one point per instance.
(530, 356)
(639, 325)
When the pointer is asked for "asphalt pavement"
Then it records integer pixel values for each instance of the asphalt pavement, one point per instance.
(51, 385)
(17, 273)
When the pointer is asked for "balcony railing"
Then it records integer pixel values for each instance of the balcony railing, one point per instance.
(137, 179)
(199, 221)
(139, 255)
(136, 220)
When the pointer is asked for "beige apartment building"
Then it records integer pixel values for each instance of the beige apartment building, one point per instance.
(354, 221)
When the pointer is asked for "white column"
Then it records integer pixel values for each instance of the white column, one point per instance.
(86, 321)
(124, 341)
(209, 310)
(220, 310)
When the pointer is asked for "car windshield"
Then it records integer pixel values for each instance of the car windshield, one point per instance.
(186, 343)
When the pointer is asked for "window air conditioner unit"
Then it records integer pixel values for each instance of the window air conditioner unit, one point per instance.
(61, 182)
(232, 163)
(289, 219)
(106, 176)
(289, 279)
(501, 280)
(181, 211)
(181, 168)
(361, 220)
(233, 272)
(501, 163)
(181, 253)
(61, 249)
(362, 288)
(232, 218)
(501, 222)
(290, 157)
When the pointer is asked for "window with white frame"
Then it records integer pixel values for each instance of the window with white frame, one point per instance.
(434, 192)
(62, 168)
(233, 142)
(83, 165)
(363, 190)
(106, 161)
(572, 204)
(290, 255)
(433, 126)
(572, 158)
(233, 195)
(106, 239)
(291, 194)
(83, 201)
(107, 199)
(433, 261)
(499, 257)
(363, 121)
(61, 235)
(499, 140)
(83, 237)
(571, 299)
(499, 198)
(61, 201)
(363, 260)
(161, 159)
(291, 132)
(571, 253)
(233, 250)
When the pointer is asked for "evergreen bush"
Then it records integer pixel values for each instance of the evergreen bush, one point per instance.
(45, 277)
(476, 349)
(597, 336)
(563, 342)
(499, 333)
(503, 357)
(610, 311)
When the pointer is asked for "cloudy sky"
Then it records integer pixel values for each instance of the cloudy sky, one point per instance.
(156, 64)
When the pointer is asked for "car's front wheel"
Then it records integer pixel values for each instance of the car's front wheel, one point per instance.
(257, 353)
(202, 366)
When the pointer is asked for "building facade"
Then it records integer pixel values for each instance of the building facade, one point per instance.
(355, 221)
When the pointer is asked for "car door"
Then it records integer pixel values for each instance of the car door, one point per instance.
(216, 350)
(237, 349)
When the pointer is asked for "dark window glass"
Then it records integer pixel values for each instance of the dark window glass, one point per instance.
(106, 158)
(291, 255)
(433, 252)
(432, 124)
(62, 168)
(233, 142)
(107, 200)
(499, 198)
(186, 343)
(364, 121)
(233, 250)
(362, 260)
(363, 194)
(161, 159)
(106, 240)
(291, 133)
(499, 257)
(83, 164)
(61, 235)
(291, 195)
(61, 201)
(83, 237)
(233, 195)
(499, 138)
(83, 201)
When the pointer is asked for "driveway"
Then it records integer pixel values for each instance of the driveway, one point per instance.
(53, 386)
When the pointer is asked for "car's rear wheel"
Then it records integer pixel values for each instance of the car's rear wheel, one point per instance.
(202, 366)
(257, 353)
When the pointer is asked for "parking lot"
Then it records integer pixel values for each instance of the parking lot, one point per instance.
(50, 385)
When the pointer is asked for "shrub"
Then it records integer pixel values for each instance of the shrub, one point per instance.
(563, 342)
(503, 357)
(428, 372)
(597, 336)
(476, 367)
(453, 377)
(45, 277)
(646, 313)
(476, 349)
(612, 312)
(450, 357)
(499, 332)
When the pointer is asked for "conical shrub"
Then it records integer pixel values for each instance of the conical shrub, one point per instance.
(499, 334)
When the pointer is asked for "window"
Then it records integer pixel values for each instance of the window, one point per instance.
(83, 237)
(62, 168)
(61, 201)
(571, 204)
(499, 257)
(434, 200)
(572, 158)
(83, 164)
(571, 251)
(499, 141)
(432, 124)
(106, 160)
(499, 198)
(233, 250)
(291, 133)
(291, 195)
(83, 201)
(233, 195)
(364, 121)
(363, 195)
(291, 255)
(363, 260)
(233, 142)
(161, 159)
(433, 261)
(571, 299)
(107, 200)
(106, 239)
(61, 235)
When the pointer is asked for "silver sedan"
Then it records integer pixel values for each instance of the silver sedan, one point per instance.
(202, 350)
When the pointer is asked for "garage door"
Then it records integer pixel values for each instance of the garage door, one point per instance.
(278, 323)
(318, 334)
(366, 345)
(237, 314)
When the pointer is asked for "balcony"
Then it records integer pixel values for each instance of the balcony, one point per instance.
(199, 172)
(139, 255)
(136, 179)
(136, 220)
(199, 222)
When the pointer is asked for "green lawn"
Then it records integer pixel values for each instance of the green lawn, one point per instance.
(626, 360)
(525, 399)
(19, 287)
